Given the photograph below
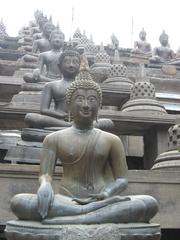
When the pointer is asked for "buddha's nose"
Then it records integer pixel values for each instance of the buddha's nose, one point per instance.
(85, 104)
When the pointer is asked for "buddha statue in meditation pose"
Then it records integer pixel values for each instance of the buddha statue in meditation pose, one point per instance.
(39, 45)
(43, 44)
(48, 59)
(142, 46)
(164, 53)
(95, 171)
(57, 116)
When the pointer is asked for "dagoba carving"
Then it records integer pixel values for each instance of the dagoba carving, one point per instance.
(118, 73)
(82, 42)
(76, 37)
(90, 50)
(142, 97)
(101, 66)
(170, 160)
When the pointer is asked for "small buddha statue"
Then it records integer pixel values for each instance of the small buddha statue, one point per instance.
(164, 53)
(48, 59)
(39, 45)
(142, 46)
(43, 44)
(95, 171)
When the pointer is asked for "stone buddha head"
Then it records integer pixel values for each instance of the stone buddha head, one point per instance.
(142, 35)
(48, 28)
(57, 39)
(83, 98)
(164, 39)
(69, 63)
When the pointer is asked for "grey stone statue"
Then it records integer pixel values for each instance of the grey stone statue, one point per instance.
(48, 59)
(43, 44)
(142, 46)
(164, 53)
(95, 171)
(69, 63)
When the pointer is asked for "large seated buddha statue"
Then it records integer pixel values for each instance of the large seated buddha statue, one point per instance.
(163, 53)
(90, 202)
(95, 171)
(48, 59)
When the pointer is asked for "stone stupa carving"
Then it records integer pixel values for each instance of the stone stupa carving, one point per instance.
(142, 97)
(90, 51)
(170, 160)
(76, 37)
(118, 72)
(82, 42)
(100, 68)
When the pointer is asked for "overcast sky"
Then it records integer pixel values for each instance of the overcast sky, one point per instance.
(101, 18)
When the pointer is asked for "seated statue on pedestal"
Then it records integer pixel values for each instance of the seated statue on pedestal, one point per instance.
(43, 44)
(95, 171)
(142, 46)
(164, 53)
(69, 63)
(39, 45)
(48, 59)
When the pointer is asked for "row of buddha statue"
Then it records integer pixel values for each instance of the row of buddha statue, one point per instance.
(41, 42)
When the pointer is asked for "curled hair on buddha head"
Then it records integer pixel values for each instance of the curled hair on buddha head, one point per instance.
(56, 31)
(70, 51)
(85, 81)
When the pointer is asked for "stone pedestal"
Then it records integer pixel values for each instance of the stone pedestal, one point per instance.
(26, 230)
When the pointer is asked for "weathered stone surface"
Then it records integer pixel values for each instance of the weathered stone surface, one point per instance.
(25, 230)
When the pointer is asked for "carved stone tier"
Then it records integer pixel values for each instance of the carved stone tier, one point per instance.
(9, 86)
(8, 68)
(9, 43)
(24, 152)
(169, 160)
(27, 100)
(144, 105)
(22, 71)
(25, 230)
(11, 55)
(37, 135)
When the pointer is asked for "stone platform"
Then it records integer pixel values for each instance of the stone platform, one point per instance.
(26, 230)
